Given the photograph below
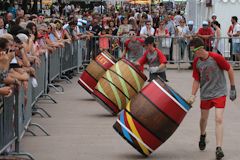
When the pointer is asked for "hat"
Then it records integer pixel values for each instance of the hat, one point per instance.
(149, 40)
(190, 23)
(214, 15)
(23, 37)
(204, 23)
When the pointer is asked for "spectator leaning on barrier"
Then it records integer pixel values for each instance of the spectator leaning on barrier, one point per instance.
(181, 40)
(235, 35)
(94, 29)
(206, 33)
(208, 74)
(133, 47)
(147, 30)
(163, 40)
(104, 39)
(172, 31)
(155, 59)
(189, 32)
(218, 44)
(214, 17)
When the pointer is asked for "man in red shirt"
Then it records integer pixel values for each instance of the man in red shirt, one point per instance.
(206, 33)
(208, 75)
(155, 59)
(133, 47)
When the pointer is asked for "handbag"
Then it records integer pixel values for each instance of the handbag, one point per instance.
(166, 42)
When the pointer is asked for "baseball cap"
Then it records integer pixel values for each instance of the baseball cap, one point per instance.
(214, 15)
(190, 23)
(149, 40)
(204, 23)
(22, 37)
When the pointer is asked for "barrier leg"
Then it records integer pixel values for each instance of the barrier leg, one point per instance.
(66, 79)
(40, 127)
(29, 131)
(43, 110)
(36, 112)
(55, 87)
(22, 154)
(49, 98)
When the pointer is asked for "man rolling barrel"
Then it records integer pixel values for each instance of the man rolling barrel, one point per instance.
(155, 59)
(208, 74)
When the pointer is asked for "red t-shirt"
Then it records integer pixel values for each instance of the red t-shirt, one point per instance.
(153, 59)
(207, 31)
(141, 42)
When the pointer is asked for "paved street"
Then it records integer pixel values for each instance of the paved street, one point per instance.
(82, 130)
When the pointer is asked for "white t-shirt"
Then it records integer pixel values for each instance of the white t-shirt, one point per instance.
(145, 32)
(235, 30)
(180, 30)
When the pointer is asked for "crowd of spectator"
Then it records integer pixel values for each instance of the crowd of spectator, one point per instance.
(24, 37)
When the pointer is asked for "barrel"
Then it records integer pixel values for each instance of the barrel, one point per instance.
(94, 71)
(118, 85)
(151, 117)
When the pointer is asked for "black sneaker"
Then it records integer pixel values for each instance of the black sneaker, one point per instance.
(202, 142)
(219, 153)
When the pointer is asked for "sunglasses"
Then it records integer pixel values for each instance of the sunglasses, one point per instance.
(132, 34)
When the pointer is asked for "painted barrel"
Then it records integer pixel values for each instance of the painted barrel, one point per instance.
(95, 70)
(118, 85)
(151, 117)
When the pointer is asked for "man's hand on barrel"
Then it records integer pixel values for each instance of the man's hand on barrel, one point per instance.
(233, 93)
(191, 99)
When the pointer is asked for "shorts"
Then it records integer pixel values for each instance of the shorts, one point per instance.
(215, 102)
(236, 48)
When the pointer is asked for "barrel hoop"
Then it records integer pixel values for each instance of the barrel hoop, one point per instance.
(91, 75)
(85, 85)
(136, 133)
(144, 126)
(159, 109)
(169, 95)
(124, 80)
(135, 69)
(135, 136)
(123, 84)
(135, 78)
(103, 101)
(115, 88)
(107, 58)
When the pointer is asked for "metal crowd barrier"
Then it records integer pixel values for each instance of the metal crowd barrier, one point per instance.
(16, 111)
(54, 63)
(40, 73)
(7, 121)
(67, 58)
(176, 49)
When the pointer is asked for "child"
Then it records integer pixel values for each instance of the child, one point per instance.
(104, 40)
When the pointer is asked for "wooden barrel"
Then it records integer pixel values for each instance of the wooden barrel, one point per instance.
(151, 117)
(94, 71)
(118, 85)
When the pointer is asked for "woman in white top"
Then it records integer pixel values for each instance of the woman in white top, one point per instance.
(163, 40)
(218, 44)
